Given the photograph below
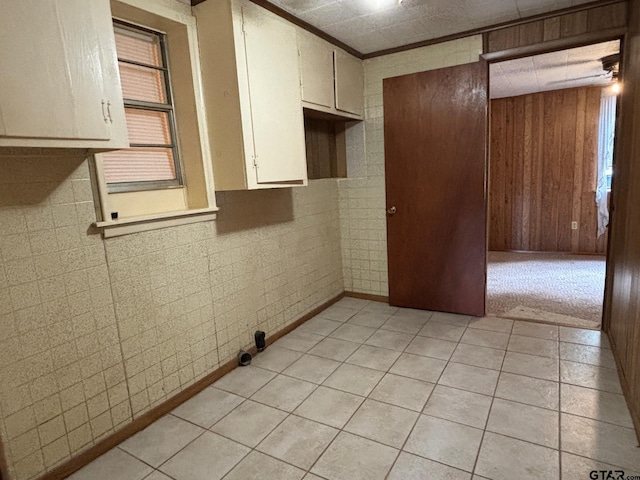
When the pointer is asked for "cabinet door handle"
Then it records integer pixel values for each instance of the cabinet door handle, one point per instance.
(109, 112)
(104, 115)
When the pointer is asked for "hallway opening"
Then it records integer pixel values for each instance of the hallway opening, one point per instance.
(552, 124)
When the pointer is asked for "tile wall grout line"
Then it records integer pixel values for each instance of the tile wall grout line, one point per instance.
(120, 341)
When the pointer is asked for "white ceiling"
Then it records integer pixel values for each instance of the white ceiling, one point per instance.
(373, 25)
(577, 67)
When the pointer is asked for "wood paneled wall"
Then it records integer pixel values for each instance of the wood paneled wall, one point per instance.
(326, 148)
(622, 312)
(556, 28)
(542, 165)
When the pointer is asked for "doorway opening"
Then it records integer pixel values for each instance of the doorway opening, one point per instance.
(552, 123)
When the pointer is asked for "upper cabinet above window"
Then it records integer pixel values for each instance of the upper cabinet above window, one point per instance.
(59, 85)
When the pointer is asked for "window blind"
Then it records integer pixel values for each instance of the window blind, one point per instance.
(148, 112)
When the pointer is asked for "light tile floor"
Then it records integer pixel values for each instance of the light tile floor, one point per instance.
(368, 391)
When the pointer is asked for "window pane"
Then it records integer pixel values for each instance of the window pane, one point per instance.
(142, 83)
(138, 46)
(148, 126)
(139, 165)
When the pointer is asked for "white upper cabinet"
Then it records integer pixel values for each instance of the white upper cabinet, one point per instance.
(274, 90)
(332, 80)
(316, 70)
(59, 85)
(251, 79)
(349, 75)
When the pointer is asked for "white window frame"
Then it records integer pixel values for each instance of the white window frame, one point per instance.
(163, 210)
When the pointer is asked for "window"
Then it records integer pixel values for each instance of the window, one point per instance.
(606, 136)
(152, 161)
(165, 178)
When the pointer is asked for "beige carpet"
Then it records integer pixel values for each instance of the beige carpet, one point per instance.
(546, 287)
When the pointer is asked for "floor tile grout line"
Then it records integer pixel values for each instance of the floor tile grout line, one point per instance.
(421, 413)
(559, 413)
(475, 344)
(593, 459)
(252, 449)
(341, 430)
(289, 414)
(493, 397)
(255, 449)
(402, 449)
(386, 372)
(500, 371)
(589, 364)
(262, 403)
(368, 396)
(176, 453)
(210, 431)
(486, 424)
(133, 456)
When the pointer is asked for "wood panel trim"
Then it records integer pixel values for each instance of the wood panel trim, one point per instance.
(367, 296)
(492, 28)
(326, 148)
(626, 389)
(140, 423)
(555, 45)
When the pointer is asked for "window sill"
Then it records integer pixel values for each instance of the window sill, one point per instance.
(126, 226)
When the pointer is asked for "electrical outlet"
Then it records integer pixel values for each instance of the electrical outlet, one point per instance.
(574, 225)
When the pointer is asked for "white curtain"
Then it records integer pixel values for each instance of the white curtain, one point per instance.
(606, 133)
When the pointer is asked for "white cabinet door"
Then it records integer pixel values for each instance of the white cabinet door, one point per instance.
(274, 90)
(349, 83)
(111, 88)
(52, 82)
(316, 70)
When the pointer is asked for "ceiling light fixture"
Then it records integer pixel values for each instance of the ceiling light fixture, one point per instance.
(384, 4)
(615, 87)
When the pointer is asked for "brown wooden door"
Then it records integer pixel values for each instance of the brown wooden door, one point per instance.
(435, 133)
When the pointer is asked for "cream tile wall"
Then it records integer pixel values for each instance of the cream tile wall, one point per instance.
(62, 379)
(362, 195)
(94, 333)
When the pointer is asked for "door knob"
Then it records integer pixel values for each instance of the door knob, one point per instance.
(391, 210)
